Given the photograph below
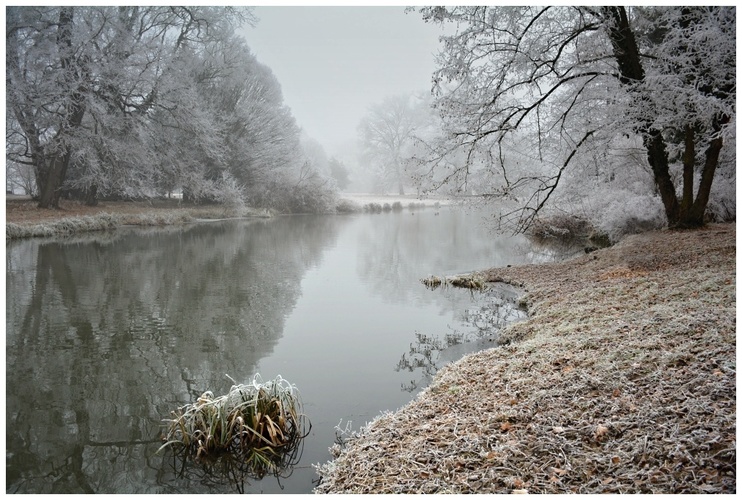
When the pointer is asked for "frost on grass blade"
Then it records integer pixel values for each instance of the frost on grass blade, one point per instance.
(253, 431)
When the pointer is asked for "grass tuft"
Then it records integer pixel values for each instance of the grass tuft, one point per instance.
(258, 426)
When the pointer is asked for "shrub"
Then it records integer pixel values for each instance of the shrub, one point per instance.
(347, 207)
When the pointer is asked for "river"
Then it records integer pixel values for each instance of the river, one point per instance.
(107, 333)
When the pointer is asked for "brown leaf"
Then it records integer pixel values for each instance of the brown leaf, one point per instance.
(615, 460)
(505, 426)
(601, 431)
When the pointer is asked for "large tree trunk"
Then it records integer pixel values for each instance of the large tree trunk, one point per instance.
(52, 169)
(53, 176)
(687, 212)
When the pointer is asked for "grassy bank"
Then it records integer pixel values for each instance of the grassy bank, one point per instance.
(24, 219)
(622, 380)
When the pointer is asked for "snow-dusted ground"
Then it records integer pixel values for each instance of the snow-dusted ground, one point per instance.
(428, 201)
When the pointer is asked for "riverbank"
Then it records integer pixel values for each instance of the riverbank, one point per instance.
(24, 219)
(622, 380)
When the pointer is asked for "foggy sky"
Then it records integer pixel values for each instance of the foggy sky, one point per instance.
(335, 62)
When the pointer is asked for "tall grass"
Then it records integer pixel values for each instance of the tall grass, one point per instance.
(254, 430)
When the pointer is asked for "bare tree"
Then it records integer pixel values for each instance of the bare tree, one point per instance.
(527, 92)
(386, 132)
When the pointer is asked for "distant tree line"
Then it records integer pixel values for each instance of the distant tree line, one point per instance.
(140, 102)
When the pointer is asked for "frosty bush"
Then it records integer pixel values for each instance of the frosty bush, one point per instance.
(630, 214)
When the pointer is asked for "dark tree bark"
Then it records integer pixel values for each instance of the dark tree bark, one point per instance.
(687, 212)
(53, 168)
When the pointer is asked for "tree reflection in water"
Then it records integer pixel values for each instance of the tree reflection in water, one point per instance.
(105, 335)
(495, 308)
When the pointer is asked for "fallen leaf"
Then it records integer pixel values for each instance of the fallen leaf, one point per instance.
(616, 392)
(601, 431)
(505, 426)
(607, 480)
(718, 373)
(615, 460)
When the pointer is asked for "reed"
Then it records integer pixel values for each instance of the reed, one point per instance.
(260, 425)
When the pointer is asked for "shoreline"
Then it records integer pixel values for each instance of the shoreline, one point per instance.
(23, 218)
(622, 380)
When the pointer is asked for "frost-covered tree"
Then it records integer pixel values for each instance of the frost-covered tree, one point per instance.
(81, 81)
(224, 124)
(386, 133)
(339, 172)
(532, 95)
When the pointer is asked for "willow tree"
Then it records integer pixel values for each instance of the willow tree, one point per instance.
(549, 85)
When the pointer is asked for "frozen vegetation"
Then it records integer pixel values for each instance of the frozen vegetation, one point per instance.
(623, 380)
(555, 117)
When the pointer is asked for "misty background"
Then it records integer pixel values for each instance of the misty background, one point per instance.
(334, 63)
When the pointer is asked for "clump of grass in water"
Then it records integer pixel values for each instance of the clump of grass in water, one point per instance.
(253, 430)
(470, 282)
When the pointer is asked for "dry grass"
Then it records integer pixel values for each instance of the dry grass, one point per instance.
(23, 219)
(253, 431)
(622, 380)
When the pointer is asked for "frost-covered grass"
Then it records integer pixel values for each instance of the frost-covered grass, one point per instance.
(259, 424)
(396, 202)
(65, 226)
(623, 379)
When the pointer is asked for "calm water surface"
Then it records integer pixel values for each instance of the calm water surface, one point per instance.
(108, 333)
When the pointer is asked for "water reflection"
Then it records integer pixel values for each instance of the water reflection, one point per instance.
(231, 469)
(107, 333)
(104, 338)
(479, 326)
(405, 248)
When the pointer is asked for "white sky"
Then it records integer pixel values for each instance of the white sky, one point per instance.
(334, 62)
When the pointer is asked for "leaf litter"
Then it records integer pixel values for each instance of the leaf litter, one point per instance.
(622, 380)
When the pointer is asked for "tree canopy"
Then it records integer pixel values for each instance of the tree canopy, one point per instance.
(137, 102)
(535, 95)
